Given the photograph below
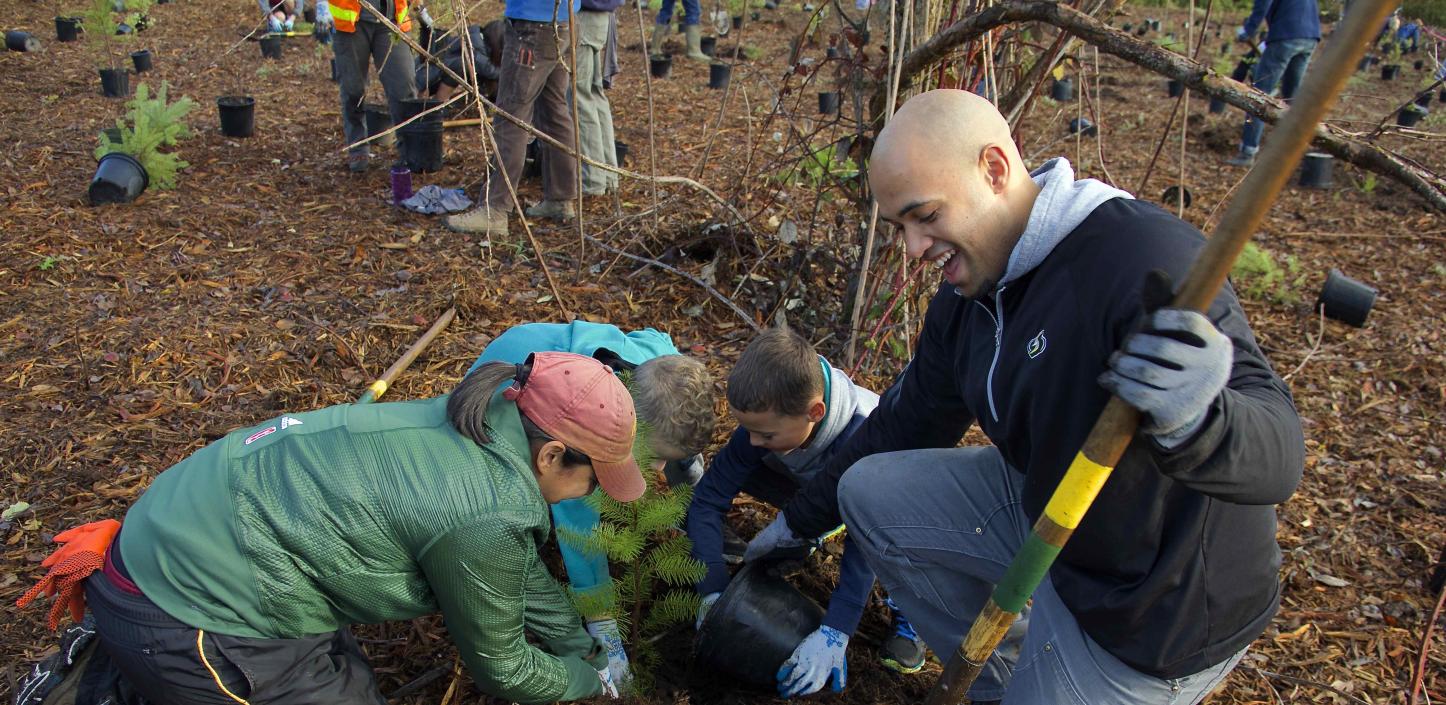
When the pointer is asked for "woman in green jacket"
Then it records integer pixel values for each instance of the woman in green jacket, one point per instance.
(238, 573)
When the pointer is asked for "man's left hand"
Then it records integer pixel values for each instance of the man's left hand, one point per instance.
(1171, 371)
(605, 631)
(818, 658)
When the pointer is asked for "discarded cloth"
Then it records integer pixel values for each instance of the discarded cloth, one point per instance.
(434, 200)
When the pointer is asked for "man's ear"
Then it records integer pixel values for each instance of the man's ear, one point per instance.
(994, 167)
(816, 411)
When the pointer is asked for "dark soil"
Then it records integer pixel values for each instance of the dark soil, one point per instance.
(271, 280)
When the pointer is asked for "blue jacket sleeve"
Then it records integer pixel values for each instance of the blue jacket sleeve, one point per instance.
(586, 571)
(712, 498)
(1257, 15)
(855, 582)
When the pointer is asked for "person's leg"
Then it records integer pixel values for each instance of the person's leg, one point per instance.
(1295, 68)
(939, 527)
(351, 75)
(1268, 70)
(559, 174)
(665, 15)
(394, 67)
(1061, 665)
(517, 92)
(595, 120)
(692, 12)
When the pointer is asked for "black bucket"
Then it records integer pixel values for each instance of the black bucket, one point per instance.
(115, 83)
(1345, 300)
(378, 120)
(1083, 126)
(1174, 88)
(421, 146)
(1062, 90)
(1389, 71)
(143, 60)
(621, 150)
(754, 627)
(16, 40)
(119, 178)
(1423, 100)
(708, 45)
(67, 29)
(1410, 115)
(238, 115)
(718, 75)
(828, 103)
(412, 107)
(271, 47)
(1315, 170)
(1171, 196)
(1217, 106)
(660, 66)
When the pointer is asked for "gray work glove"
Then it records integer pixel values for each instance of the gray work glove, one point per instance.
(324, 22)
(777, 541)
(703, 607)
(1171, 369)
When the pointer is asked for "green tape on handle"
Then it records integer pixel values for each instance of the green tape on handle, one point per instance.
(1024, 574)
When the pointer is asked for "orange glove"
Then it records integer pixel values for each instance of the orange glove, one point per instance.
(82, 554)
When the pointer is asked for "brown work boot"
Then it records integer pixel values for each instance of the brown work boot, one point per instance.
(483, 220)
(553, 210)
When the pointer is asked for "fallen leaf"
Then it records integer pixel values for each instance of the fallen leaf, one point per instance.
(14, 510)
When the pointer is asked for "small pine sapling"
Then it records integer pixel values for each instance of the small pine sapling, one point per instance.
(150, 123)
(654, 591)
(138, 14)
(99, 25)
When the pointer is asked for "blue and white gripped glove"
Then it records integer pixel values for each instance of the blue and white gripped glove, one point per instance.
(703, 608)
(605, 631)
(1171, 371)
(818, 658)
(775, 537)
(324, 22)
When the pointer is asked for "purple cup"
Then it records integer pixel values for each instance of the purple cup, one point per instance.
(401, 184)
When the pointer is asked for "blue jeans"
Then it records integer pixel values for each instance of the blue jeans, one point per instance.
(1283, 63)
(939, 527)
(692, 13)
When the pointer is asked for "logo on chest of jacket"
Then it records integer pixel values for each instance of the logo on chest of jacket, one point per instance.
(1036, 345)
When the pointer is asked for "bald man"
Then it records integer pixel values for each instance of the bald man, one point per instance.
(1043, 313)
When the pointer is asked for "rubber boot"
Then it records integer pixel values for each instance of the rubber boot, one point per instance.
(694, 34)
(660, 34)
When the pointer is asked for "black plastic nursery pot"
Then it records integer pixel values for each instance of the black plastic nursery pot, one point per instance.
(1410, 115)
(738, 22)
(708, 45)
(412, 107)
(1062, 90)
(67, 29)
(115, 83)
(1173, 194)
(621, 150)
(1316, 170)
(1126, 27)
(144, 61)
(1441, 97)
(238, 115)
(123, 28)
(270, 47)
(756, 16)
(828, 103)
(1174, 88)
(832, 53)
(1419, 65)
(421, 146)
(1217, 106)
(1423, 100)
(119, 178)
(718, 75)
(378, 120)
(1389, 72)
(16, 40)
(754, 627)
(1083, 126)
(660, 66)
(1345, 300)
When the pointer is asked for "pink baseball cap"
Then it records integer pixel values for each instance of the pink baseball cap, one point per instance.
(579, 401)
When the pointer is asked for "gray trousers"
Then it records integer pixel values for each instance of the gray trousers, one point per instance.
(533, 87)
(939, 527)
(594, 112)
(371, 42)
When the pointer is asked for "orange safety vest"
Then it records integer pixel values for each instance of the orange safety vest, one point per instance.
(346, 13)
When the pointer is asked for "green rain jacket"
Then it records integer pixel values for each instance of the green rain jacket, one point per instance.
(360, 514)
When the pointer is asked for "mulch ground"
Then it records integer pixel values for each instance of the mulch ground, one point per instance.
(273, 280)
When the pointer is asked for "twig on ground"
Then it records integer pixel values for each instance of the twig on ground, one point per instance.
(1420, 678)
(1301, 681)
(1319, 336)
(668, 268)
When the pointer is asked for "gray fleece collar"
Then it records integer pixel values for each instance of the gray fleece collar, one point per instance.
(1063, 203)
